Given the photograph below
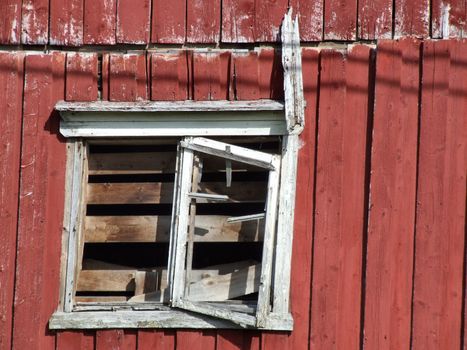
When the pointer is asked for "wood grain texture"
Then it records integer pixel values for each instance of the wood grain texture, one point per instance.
(441, 198)
(375, 19)
(11, 86)
(246, 71)
(75, 340)
(237, 340)
(340, 20)
(203, 21)
(116, 339)
(81, 77)
(169, 76)
(195, 340)
(168, 22)
(133, 21)
(238, 21)
(310, 18)
(211, 76)
(390, 247)
(40, 203)
(412, 18)
(448, 19)
(268, 18)
(127, 77)
(156, 339)
(35, 22)
(10, 21)
(340, 202)
(66, 22)
(100, 22)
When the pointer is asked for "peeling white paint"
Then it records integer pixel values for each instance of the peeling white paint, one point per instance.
(444, 22)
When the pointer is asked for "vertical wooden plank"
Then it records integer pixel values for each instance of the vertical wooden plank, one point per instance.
(390, 245)
(246, 72)
(35, 22)
(236, 339)
(75, 340)
(10, 21)
(115, 339)
(66, 22)
(127, 77)
(133, 21)
(268, 19)
(448, 19)
(310, 18)
(11, 88)
(412, 18)
(300, 293)
(100, 21)
(340, 198)
(340, 17)
(271, 76)
(441, 198)
(211, 75)
(238, 21)
(156, 339)
(375, 19)
(203, 21)
(168, 21)
(169, 76)
(195, 340)
(81, 77)
(40, 203)
(105, 76)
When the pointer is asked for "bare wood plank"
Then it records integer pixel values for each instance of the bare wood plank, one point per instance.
(106, 280)
(209, 228)
(156, 192)
(100, 299)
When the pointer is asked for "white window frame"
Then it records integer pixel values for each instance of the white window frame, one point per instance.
(82, 121)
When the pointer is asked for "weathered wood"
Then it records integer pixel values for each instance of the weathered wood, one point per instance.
(252, 217)
(268, 17)
(310, 14)
(375, 19)
(448, 19)
(168, 21)
(203, 21)
(11, 86)
(152, 319)
(169, 76)
(106, 280)
(238, 21)
(246, 69)
(100, 22)
(411, 18)
(156, 229)
(127, 78)
(111, 339)
(211, 76)
(75, 340)
(81, 76)
(340, 20)
(66, 22)
(10, 22)
(35, 22)
(133, 21)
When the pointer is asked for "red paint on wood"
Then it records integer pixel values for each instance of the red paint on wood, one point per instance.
(238, 21)
(310, 18)
(375, 19)
(340, 20)
(41, 201)
(441, 198)
(246, 70)
(300, 292)
(10, 21)
(35, 22)
(105, 76)
(340, 201)
(195, 340)
(156, 339)
(271, 76)
(203, 21)
(66, 22)
(449, 18)
(75, 340)
(168, 21)
(275, 340)
(169, 76)
(100, 21)
(412, 18)
(390, 246)
(115, 339)
(268, 19)
(81, 77)
(11, 87)
(211, 75)
(133, 21)
(237, 340)
(127, 77)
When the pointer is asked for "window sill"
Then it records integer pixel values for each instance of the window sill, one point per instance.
(155, 319)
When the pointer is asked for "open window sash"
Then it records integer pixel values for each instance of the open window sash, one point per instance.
(187, 173)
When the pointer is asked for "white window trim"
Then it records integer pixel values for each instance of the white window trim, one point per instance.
(113, 119)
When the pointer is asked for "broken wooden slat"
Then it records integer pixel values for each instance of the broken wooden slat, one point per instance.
(10, 21)
(209, 228)
(35, 22)
(66, 22)
(133, 21)
(100, 22)
(168, 21)
(238, 18)
(203, 21)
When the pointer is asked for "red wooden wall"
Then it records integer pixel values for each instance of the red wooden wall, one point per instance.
(379, 247)
(108, 22)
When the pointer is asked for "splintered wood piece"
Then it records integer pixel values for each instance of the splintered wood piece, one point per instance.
(209, 228)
